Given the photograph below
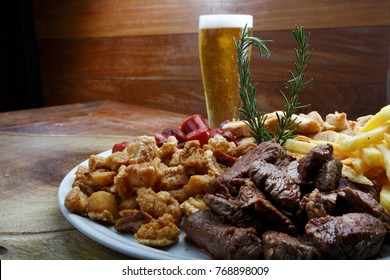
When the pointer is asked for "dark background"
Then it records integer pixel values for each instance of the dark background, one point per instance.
(20, 86)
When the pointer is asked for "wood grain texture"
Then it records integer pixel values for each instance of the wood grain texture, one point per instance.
(146, 52)
(70, 19)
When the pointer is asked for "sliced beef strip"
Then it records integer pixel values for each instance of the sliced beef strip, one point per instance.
(374, 191)
(351, 236)
(252, 198)
(359, 201)
(318, 204)
(231, 210)
(328, 175)
(276, 182)
(281, 246)
(310, 164)
(210, 232)
(267, 151)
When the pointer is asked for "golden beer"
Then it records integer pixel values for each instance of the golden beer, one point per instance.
(218, 59)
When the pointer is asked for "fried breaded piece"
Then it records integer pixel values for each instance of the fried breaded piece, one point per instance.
(218, 142)
(116, 160)
(76, 201)
(135, 176)
(161, 232)
(212, 164)
(193, 205)
(132, 220)
(102, 206)
(129, 203)
(337, 122)
(83, 181)
(167, 150)
(171, 178)
(197, 184)
(142, 150)
(102, 177)
(96, 162)
(158, 204)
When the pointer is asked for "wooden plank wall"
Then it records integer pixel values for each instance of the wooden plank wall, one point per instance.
(146, 52)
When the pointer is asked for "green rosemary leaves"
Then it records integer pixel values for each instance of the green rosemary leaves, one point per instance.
(286, 120)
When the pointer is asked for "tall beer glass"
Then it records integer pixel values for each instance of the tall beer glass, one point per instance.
(218, 59)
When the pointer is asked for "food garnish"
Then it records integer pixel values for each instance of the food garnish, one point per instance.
(286, 119)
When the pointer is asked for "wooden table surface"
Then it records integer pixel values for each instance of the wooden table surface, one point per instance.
(39, 147)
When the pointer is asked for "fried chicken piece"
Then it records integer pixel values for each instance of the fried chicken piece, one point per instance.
(102, 206)
(132, 220)
(193, 205)
(337, 122)
(143, 150)
(161, 232)
(158, 204)
(135, 176)
(171, 178)
(197, 184)
(96, 163)
(82, 181)
(116, 160)
(167, 150)
(76, 201)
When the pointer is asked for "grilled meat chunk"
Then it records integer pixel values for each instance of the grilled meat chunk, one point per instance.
(281, 246)
(351, 236)
(211, 232)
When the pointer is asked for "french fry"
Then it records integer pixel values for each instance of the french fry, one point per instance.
(377, 120)
(386, 158)
(364, 139)
(360, 165)
(384, 197)
(386, 137)
(355, 176)
(372, 156)
(299, 147)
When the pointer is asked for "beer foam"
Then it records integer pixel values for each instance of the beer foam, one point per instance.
(225, 21)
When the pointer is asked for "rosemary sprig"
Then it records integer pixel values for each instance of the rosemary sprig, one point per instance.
(247, 91)
(255, 120)
(287, 123)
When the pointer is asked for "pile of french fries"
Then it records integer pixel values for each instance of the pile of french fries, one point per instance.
(365, 155)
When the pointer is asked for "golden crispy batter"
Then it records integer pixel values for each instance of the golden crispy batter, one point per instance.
(96, 162)
(337, 122)
(102, 206)
(132, 220)
(218, 142)
(211, 163)
(116, 160)
(129, 203)
(171, 178)
(238, 128)
(83, 181)
(142, 150)
(102, 177)
(135, 176)
(76, 201)
(158, 204)
(197, 184)
(193, 205)
(161, 232)
(167, 150)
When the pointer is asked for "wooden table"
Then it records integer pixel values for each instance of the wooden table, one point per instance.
(38, 148)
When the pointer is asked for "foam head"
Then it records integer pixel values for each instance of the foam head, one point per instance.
(225, 21)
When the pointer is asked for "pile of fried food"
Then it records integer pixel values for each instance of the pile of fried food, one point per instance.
(147, 188)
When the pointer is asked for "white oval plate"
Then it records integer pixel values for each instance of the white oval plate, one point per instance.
(125, 243)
